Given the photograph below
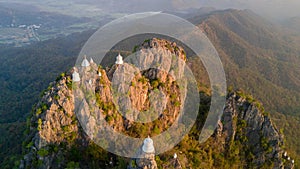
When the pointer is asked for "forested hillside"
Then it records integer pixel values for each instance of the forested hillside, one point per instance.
(25, 73)
(260, 58)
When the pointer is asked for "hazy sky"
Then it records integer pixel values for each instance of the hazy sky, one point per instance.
(269, 8)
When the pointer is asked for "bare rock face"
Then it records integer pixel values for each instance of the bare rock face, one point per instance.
(164, 45)
(145, 87)
(53, 121)
(147, 162)
(245, 123)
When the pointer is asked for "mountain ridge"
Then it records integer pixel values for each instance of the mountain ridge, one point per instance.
(264, 71)
(245, 134)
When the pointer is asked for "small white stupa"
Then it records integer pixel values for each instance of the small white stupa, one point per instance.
(99, 73)
(91, 61)
(148, 146)
(119, 60)
(85, 62)
(147, 155)
(75, 76)
(175, 156)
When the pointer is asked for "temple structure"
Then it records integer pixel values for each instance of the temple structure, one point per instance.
(119, 60)
(148, 146)
(85, 62)
(147, 155)
(91, 61)
(75, 76)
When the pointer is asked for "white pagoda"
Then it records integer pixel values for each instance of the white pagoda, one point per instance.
(147, 155)
(75, 76)
(175, 156)
(85, 62)
(119, 60)
(91, 61)
(148, 146)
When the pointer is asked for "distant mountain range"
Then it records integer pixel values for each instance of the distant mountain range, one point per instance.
(259, 52)
(292, 23)
(259, 57)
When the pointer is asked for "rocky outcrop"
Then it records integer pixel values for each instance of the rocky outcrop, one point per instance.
(148, 162)
(54, 126)
(53, 122)
(245, 122)
(55, 131)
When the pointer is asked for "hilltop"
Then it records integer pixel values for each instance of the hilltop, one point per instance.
(245, 135)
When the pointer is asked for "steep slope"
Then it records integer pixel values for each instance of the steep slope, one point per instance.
(245, 137)
(260, 58)
(254, 50)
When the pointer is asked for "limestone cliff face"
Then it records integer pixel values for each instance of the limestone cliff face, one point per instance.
(246, 124)
(55, 134)
(53, 122)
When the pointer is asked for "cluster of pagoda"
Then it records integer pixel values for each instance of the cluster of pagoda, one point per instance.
(85, 63)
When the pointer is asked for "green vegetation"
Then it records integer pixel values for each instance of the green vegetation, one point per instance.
(38, 111)
(156, 130)
(143, 80)
(69, 83)
(155, 83)
(53, 148)
(39, 124)
(168, 46)
(177, 104)
(249, 98)
(60, 77)
(42, 152)
(72, 165)
(133, 163)
(44, 106)
(135, 49)
(133, 84)
(109, 119)
(56, 97)
(29, 145)
(66, 129)
(147, 41)
(106, 107)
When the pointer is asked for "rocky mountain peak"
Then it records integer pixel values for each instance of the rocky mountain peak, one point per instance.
(245, 123)
(164, 45)
(245, 134)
